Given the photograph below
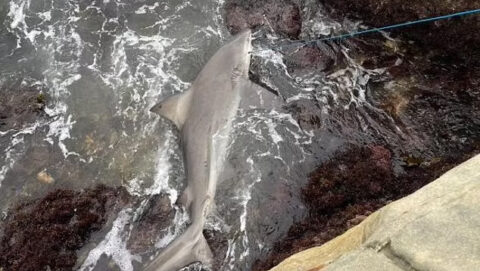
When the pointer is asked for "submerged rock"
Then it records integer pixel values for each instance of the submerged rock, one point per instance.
(436, 228)
(45, 234)
(20, 107)
(152, 225)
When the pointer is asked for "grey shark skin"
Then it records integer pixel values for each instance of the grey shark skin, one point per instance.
(204, 116)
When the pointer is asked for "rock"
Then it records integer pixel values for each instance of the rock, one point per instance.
(381, 156)
(283, 16)
(456, 37)
(307, 113)
(436, 228)
(340, 194)
(239, 18)
(20, 107)
(310, 58)
(152, 225)
(45, 234)
(218, 242)
(343, 191)
(45, 178)
(367, 260)
(354, 176)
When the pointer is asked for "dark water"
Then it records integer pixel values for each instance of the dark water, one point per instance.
(104, 64)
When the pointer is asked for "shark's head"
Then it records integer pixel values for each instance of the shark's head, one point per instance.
(234, 57)
(244, 40)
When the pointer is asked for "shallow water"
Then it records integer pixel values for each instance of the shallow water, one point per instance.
(104, 64)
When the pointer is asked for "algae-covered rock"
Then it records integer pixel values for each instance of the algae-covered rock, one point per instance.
(436, 228)
(152, 224)
(283, 16)
(457, 37)
(45, 234)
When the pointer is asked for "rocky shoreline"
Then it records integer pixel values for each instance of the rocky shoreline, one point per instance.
(431, 88)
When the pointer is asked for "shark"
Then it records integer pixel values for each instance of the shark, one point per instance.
(204, 115)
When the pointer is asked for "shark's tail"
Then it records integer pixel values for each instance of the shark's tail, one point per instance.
(189, 248)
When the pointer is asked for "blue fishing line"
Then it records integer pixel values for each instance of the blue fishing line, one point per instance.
(374, 30)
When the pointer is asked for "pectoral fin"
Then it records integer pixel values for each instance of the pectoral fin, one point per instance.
(254, 96)
(175, 108)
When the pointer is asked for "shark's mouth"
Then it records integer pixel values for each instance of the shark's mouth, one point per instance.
(248, 53)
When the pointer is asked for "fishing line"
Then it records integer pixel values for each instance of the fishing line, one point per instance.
(379, 29)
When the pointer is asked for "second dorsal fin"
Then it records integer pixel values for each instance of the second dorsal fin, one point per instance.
(175, 108)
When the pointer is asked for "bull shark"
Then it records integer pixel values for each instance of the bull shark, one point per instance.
(204, 115)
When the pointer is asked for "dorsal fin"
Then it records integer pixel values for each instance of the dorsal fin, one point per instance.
(175, 108)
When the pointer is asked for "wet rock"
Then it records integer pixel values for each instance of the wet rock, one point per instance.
(457, 38)
(307, 113)
(239, 18)
(448, 111)
(436, 228)
(20, 107)
(381, 157)
(395, 96)
(44, 234)
(282, 16)
(354, 177)
(154, 222)
(310, 58)
(218, 243)
(436, 101)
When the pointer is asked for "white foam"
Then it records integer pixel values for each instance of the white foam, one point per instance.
(54, 77)
(114, 245)
(162, 175)
(146, 8)
(177, 227)
(271, 56)
(17, 14)
(241, 245)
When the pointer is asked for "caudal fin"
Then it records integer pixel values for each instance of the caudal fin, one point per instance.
(189, 248)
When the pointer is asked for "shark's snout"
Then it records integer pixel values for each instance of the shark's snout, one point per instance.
(245, 38)
(243, 43)
(246, 33)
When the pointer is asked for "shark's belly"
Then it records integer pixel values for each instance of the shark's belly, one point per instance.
(208, 136)
(221, 140)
